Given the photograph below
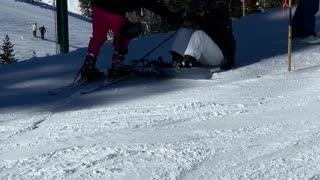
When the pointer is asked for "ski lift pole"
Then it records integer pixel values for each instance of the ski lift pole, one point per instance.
(62, 25)
(243, 7)
(55, 25)
(290, 36)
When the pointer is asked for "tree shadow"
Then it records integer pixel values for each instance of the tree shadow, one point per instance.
(25, 85)
(264, 35)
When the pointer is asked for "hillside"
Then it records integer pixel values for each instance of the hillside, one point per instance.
(257, 121)
(17, 18)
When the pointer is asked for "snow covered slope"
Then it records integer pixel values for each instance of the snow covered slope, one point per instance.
(257, 121)
(17, 18)
(73, 5)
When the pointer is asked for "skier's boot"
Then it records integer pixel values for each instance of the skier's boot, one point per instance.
(177, 59)
(186, 61)
(189, 61)
(117, 68)
(89, 71)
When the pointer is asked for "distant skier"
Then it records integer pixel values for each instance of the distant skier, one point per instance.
(110, 14)
(34, 29)
(304, 21)
(42, 30)
(209, 40)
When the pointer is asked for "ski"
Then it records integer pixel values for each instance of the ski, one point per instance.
(73, 86)
(166, 70)
(102, 85)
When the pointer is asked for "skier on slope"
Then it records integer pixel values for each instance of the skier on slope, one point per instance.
(34, 29)
(42, 30)
(110, 14)
(207, 36)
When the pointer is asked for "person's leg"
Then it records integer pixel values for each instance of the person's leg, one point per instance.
(297, 20)
(204, 49)
(181, 40)
(311, 8)
(228, 48)
(117, 22)
(99, 33)
(224, 37)
(99, 30)
(303, 22)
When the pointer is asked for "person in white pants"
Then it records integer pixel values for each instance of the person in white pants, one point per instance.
(213, 42)
(196, 46)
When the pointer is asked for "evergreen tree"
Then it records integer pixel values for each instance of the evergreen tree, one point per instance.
(157, 24)
(7, 57)
(85, 7)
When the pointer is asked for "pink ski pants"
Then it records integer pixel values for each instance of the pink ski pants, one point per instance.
(102, 22)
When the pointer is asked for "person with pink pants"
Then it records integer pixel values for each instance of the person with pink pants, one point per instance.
(110, 15)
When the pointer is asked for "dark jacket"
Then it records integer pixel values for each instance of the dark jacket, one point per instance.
(122, 6)
(42, 29)
(213, 17)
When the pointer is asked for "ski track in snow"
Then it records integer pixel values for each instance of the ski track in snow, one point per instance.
(191, 139)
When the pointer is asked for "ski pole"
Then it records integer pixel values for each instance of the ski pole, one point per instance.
(290, 36)
(78, 73)
(155, 48)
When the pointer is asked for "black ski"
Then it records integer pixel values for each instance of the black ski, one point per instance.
(104, 84)
(73, 86)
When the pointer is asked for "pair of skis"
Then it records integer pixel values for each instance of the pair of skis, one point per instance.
(104, 84)
(184, 73)
(100, 84)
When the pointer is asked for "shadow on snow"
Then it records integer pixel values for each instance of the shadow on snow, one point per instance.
(25, 84)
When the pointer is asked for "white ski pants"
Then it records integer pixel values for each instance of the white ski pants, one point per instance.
(197, 44)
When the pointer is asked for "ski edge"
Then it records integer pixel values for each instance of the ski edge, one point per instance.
(107, 82)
